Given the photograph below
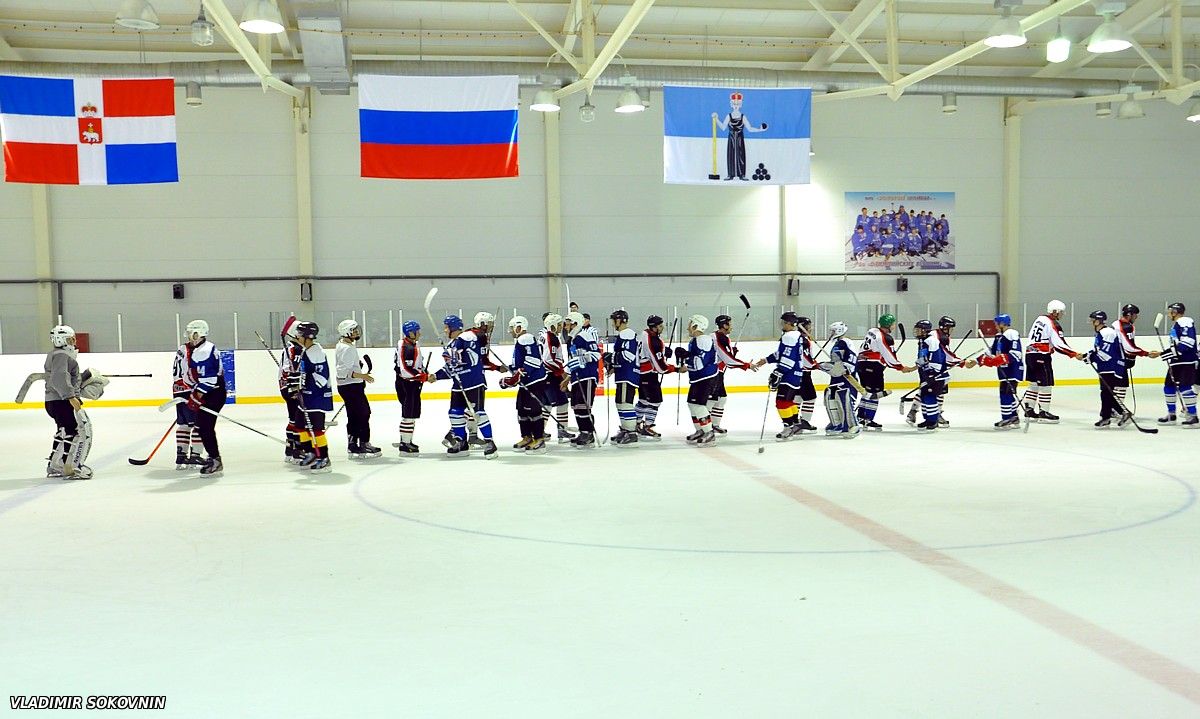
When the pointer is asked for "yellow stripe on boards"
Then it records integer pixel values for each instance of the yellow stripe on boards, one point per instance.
(503, 393)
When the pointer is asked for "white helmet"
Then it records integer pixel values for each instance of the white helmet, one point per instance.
(197, 327)
(838, 329)
(700, 322)
(552, 320)
(576, 320)
(60, 334)
(484, 318)
(1055, 306)
(518, 321)
(347, 328)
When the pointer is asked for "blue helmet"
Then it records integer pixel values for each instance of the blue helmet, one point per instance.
(1003, 319)
(411, 326)
(454, 322)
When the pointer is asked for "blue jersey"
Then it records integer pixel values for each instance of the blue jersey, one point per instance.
(464, 362)
(316, 391)
(1183, 342)
(1106, 355)
(789, 358)
(841, 350)
(625, 357)
(527, 359)
(205, 366)
(1007, 344)
(859, 242)
(584, 355)
(702, 359)
(932, 362)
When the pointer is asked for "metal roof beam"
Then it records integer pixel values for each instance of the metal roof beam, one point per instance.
(856, 22)
(1137, 16)
(628, 24)
(848, 37)
(564, 53)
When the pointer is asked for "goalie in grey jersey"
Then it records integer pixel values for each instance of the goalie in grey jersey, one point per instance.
(65, 389)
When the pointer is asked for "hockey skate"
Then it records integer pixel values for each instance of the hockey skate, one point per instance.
(408, 448)
(911, 417)
(449, 440)
(943, 422)
(1191, 422)
(806, 426)
(182, 461)
(1008, 423)
(694, 437)
(564, 436)
(1046, 418)
(708, 439)
(872, 425)
(477, 441)
(720, 430)
(212, 468)
(321, 466)
(81, 472)
(459, 448)
(647, 431)
(585, 440)
(525, 442)
(1169, 419)
(789, 431)
(537, 446)
(1124, 419)
(928, 425)
(625, 437)
(1107, 421)
(490, 450)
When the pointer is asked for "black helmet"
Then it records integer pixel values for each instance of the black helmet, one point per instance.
(654, 321)
(790, 317)
(722, 320)
(619, 316)
(1099, 315)
(307, 329)
(1176, 307)
(1130, 309)
(947, 322)
(923, 325)
(804, 322)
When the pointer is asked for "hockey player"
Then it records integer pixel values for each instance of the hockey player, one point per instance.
(208, 393)
(1181, 367)
(652, 364)
(464, 367)
(622, 363)
(352, 386)
(554, 360)
(933, 369)
(726, 358)
(1127, 334)
(316, 398)
(73, 429)
(875, 354)
(289, 389)
(529, 374)
(187, 434)
(583, 362)
(701, 366)
(945, 333)
(840, 395)
(410, 376)
(1045, 338)
(788, 377)
(1008, 359)
(1107, 358)
(484, 325)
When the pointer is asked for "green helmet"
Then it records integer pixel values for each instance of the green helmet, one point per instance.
(887, 320)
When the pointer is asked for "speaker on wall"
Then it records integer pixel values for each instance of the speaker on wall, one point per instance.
(177, 291)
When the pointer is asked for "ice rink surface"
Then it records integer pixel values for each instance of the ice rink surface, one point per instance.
(966, 573)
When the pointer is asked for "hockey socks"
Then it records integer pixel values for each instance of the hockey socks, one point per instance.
(806, 409)
(867, 407)
(407, 427)
(647, 412)
(716, 410)
(627, 413)
(787, 410)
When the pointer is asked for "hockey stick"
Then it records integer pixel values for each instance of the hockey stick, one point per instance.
(267, 347)
(679, 375)
(1157, 333)
(1121, 405)
(903, 337)
(140, 462)
(179, 400)
(35, 377)
(128, 375)
(763, 431)
(742, 329)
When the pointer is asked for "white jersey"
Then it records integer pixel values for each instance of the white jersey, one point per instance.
(875, 348)
(347, 361)
(1045, 337)
(181, 371)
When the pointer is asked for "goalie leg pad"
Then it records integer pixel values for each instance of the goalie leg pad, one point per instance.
(81, 445)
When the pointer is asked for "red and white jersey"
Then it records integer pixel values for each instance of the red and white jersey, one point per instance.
(1128, 338)
(726, 353)
(808, 362)
(410, 365)
(183, 379)
(289, 362)
(1045, 337)
(877, 347)
(650, 354)
(553, 356)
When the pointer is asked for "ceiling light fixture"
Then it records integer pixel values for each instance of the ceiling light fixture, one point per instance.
(202, 30)
(1058, 49)
(1193, 113)
(194, 98)
(1130, 109)
(1006, 31)
(137, 15)
(543, 101)
(630, 101)
(587, 111)
(949, 103)
(1109, 37)
(1103, 109)
(261, 17)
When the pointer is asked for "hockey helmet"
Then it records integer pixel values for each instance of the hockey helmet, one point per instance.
(619, 316)
(838, 329)
(60, 335)
(1130, 310)
(1100, 316)
(454, 322)
(923, 325)
(790, 317)
(654, 321)
(484, 318)
(518, 321)
(411, 326)
(804, 322)
(722, 320)
(700, 322)
(887, 320)
(196, 327)
(1055, 306)
(552, 320)
(307, 329)
(347, 328)
(1177, 307)
(1003, 319)
(947, 322)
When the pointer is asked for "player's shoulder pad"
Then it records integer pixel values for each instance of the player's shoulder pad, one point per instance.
(1185, 322)
(526, 339)
(704, 342)
(315, 354)
(791, 338)
(1012, 335)
(1109, 334)
(468, 336)
(627, 334)
(203, 352)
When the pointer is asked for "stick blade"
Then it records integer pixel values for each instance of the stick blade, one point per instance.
(138, 462)
(429, 298)
(903, 332)
(745, 301)
(170, 403)
(1158, 320)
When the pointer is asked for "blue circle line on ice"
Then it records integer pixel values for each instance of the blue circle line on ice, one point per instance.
(1189, 501)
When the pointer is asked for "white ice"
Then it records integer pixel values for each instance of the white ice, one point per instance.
(966, 573)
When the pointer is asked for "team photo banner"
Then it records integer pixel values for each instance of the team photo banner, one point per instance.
(899, 231)
(731, 136)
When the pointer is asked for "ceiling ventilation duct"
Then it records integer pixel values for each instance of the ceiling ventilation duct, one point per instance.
(326, 49)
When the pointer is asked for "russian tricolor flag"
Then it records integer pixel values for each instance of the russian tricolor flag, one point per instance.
(88, 131)
(444, 128)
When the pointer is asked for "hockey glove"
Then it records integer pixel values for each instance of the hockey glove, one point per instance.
(510, 381)
(773, 380)
(681, 355)
(607, 359)
(575, 363)
(195, 399)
